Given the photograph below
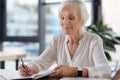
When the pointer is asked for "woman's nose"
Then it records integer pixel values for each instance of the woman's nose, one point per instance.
(66, 21)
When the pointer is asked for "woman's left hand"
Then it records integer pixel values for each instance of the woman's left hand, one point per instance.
(64, 71)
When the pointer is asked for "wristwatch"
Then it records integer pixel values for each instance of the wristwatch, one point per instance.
(79, 72)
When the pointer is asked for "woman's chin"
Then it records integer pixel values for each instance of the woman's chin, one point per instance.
(66, 33)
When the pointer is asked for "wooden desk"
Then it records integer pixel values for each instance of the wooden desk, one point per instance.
(10, 56)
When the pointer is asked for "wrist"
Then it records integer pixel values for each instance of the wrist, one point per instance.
(74, 70)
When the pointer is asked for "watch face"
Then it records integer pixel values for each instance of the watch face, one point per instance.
(79, 73)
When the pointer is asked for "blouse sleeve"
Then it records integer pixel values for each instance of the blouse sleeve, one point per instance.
(101, 68)
(47, 57)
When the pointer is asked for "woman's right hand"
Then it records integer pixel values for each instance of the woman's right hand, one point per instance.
(25, 70)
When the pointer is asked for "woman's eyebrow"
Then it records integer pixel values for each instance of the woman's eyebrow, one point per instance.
(71, 14)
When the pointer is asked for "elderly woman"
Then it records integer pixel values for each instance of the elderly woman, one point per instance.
(76, 52)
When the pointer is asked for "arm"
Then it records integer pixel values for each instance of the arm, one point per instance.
(101, 68)
(47, 57)
(44, 61)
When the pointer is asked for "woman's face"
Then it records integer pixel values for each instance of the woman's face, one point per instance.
(70, 20)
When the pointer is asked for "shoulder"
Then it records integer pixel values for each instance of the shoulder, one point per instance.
(93, 36)
(59, 37)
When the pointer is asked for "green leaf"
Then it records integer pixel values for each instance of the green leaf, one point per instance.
(117, 38)
(108, 36)
(108, 56)
(116, 41)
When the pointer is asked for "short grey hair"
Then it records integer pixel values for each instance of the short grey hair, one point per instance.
(81, 7)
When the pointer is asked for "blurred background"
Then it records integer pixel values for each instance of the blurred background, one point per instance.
(29, 25)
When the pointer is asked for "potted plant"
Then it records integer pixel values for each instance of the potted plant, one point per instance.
(108, 36)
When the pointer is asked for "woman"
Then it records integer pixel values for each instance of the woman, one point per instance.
(77, 53)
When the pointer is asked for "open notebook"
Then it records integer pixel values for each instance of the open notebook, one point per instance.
(13, 75)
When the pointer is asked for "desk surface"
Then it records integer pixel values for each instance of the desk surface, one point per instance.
(11, 56)
(83, 79)
(7, 74)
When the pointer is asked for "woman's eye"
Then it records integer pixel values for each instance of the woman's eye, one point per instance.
(72, 17)
(62, 18)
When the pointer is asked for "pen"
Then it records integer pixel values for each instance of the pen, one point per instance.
(24, 67)
(22, 63)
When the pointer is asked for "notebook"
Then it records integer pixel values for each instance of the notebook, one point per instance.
(14, 75)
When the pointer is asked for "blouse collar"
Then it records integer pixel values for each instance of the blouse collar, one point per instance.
(67, 37)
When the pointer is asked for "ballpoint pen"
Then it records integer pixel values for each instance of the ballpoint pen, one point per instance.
(25, 68)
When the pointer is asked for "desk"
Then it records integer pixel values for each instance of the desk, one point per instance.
(83, 79)
(10, 56)
(7, 74)
(45, 78)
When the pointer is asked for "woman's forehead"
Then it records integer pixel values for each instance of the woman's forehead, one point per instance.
(69, 9)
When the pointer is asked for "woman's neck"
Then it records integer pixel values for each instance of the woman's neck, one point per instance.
(74, 38)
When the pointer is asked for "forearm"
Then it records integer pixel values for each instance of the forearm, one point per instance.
(99, 71)
(85, 73)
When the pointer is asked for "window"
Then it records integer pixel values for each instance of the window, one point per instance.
(22, 17)
(111, 14)
(30, 48)
(22, 23)
(21, 32)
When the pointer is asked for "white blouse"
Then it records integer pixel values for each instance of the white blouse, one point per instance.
(89, 54)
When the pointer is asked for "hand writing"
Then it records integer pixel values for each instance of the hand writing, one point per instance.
(24, 70)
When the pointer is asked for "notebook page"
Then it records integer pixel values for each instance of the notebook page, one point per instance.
(43, 73)
(9, 74)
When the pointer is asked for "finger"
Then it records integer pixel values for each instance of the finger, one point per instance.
(21, 66)
(54, 74)
(57, 74)
(25, 72)
(21, 70)
(28, 71)
(51, 75)
(21, 73)
(58, 67)
(25, 67)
